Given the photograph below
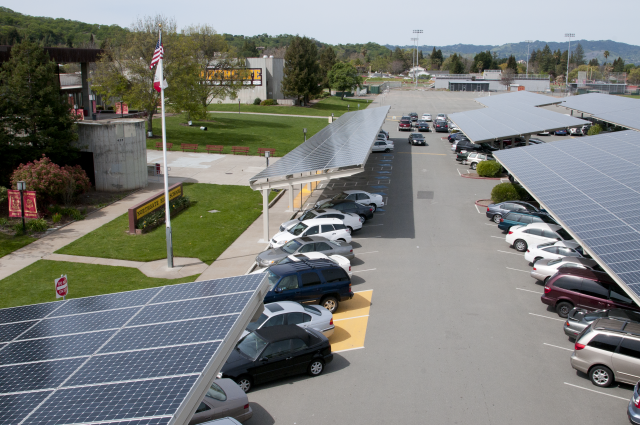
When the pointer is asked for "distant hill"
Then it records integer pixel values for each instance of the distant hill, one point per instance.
(628, 52)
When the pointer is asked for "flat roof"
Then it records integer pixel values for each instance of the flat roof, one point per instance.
(523, 98)
(590, 185)
(613, 109)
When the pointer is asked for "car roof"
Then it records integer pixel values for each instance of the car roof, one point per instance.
(589, 274)
(340, 201)
(314, 221)
(544, 226)
(627, 328)
(282, 332)
(417, 134)
(579, 260)
(283, 306)
(328, 211)
(315, 239)
(354, 191)
(282, 269)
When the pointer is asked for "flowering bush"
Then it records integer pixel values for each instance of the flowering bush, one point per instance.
(51, 181)
(156, 218)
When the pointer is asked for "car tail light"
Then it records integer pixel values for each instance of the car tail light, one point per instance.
(349, 286)
(579, 346)
(331, 321)
(510, 232)
(636, 397)
(351, 250)
(528, 250)
(502, 220)
(547, 289)
(487, 209)
(567, 323)
(535, 268)
(349, 268)
(370, 209)
(246, 406)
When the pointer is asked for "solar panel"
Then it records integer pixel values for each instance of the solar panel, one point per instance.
(590, 185)
(346, 142)
(522, 98)
(133, 358)
(614, 109)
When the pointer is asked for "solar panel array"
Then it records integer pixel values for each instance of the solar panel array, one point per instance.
(521, 98)
(127, 358)
(510, 120)
(591, 186)
(614, 109)
(346, 142)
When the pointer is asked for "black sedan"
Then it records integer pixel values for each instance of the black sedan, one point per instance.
(349, 206)
(413, 116)
(466, 145)
(276, 352)
(456, 136)
(423, 125)
(440, 126)
(417, 139)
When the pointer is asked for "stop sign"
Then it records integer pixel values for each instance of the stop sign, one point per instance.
(61, 286)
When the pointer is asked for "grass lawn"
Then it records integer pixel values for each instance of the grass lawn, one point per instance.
(324, 108)
(255, 131)
(34, 284)
(8, 244)
(632, 96)
(197, 233)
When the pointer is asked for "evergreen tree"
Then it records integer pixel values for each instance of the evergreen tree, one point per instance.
(35, 118)
(482, 61)
(547, 64)
(455, 65)
(618, 65)
(594, 62)
(512, 64)
(577, 57)
(249, 49)
(302, 75)
(420, 55)
(327, 60)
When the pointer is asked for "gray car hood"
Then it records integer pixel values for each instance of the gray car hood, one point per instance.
(272, 254)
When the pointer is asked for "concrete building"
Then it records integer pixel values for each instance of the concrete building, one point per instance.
(531, 82)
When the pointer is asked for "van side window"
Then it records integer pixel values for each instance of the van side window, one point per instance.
(620, 297)
(334, 275)
(310, 279)
(570, 283)
(525, 219)
(630, 347)
(594, 289)
(326, 228)
(605, 342)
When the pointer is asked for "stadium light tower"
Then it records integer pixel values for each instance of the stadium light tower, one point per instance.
(528, 55)
(416, 32)
(414, 40)
(566, 85)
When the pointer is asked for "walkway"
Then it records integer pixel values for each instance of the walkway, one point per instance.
(264, 113)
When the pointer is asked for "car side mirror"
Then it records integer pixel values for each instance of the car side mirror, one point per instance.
(278, 290)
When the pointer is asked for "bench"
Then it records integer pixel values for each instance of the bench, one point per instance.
(159, 146)
(214, 148)
(261, 151)
(236, 150)
(189, 146)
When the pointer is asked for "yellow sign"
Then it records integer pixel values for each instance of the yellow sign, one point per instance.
(157, 203)
(248, 76)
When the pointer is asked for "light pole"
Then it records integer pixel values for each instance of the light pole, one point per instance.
(416, 32)
(528, 55)
(566, 85)
(413, 59)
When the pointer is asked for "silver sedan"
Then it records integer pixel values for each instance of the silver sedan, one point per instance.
(543, 269)
(303, 245)
(579, 319)
(293, 313)
(224, 398)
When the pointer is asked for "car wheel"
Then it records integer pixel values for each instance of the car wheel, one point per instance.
(244, 382)
(342, 240)
(374, 207)
(330, 303)
(350, 229)
(496, 218)
(535, 260)
(387, 150)
(601, 376)
(363, 218)
(316, 367)
(474, 165)
(563, 308)
(520, 245)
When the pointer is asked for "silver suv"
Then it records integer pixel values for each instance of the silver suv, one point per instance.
(608, 350)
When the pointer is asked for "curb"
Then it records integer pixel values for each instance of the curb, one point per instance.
(467, 176)
(480, 200)
(278, 196)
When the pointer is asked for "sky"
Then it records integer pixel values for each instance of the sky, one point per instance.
(494, 22)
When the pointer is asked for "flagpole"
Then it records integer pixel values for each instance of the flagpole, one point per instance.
(164, 155)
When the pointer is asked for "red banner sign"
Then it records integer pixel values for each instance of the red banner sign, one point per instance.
(30, 206)
(62, 288)
(122, 108)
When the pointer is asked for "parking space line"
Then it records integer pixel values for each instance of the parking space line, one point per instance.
(555, 346)
(459, 172)
(505, 252)
(348, 349)
(370, 252)
(529, 290)
(360, 271)
(598, 392)
(547, 317)
(349, 318)
(489, 224)
(496, 237)
(477, 209)
(518, 270)
(371, 225)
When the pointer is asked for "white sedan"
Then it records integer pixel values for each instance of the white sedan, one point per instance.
(352, 221)
(296, 258)
(292, 313)
(360, 196)
(427, 117)
(544, 269)
(553, 251)
(330, 228)
(534, 234)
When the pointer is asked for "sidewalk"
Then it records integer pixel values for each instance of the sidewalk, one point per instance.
(263, 113)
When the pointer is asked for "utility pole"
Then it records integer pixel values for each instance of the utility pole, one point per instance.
(416, 32)
(528, 55)
(566, 87)
(413, 59)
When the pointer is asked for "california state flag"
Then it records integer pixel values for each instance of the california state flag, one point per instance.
(157, 78)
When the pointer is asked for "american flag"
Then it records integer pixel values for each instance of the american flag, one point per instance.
(157, 55)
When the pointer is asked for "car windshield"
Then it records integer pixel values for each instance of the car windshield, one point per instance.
(564, 235)
(542, 245)
(312, 310)
(327, 205)
(216, 393)
(252, 326)
(554, 262)
(418, 136)
(308, 215)
(291, 246)
(273, 279)
(297, 229)
(251, 346)
(422, 122)
(340, 196)
(336, 243)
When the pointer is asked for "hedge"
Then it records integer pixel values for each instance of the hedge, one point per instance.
(489, 169)
(504, 192)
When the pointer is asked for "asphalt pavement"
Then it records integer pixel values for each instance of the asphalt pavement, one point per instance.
(456, 331)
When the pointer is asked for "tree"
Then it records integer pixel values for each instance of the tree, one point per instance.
(302, 74)
(507, 78)
(36, 119)
(327, 60)
(482, 61)
(455, 65)
(547, 64)
(420, 56)
(397, 67)
(618, 65)
(249, 49)
(399, 55)
(343, 77)
(593, 73)
(606, 55)
(634, 76)
(578, 56)
(594, 62)
(512, 64)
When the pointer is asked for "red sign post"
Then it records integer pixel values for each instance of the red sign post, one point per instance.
(62, 288)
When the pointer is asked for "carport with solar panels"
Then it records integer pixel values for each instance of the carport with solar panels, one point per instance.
(144, 357)
(339, 150)
(510, 115)
(616, 110)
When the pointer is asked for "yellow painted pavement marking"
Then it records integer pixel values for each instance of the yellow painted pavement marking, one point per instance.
(351, 322)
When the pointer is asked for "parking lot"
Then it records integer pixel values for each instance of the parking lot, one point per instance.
(446, 326)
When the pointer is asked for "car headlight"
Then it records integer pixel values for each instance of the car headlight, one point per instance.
(219, 376)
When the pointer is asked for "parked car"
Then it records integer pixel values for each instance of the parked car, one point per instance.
(496, 211)
(422, 125)
(576, 131)
(349, 206)
(426, 117)
(413, 116)
(440, 126)
(417, 139)
(465, 144)
(586, 289)
(318, 281)
(543, 133)
(521, 143)
(405, 124)
(553, 251)
(383, 135)
(277, 352)
(544, 269)
(561, 132)
(578, 319)
(223, 421)
(338, 259)
(304, 245)
(534, 234)
(360, 196)
(293, 313)
(456, 136)
(330, 228)
(513, 218)
(352, 221)
(606, 346)
(382, 146)
(442, 117)
(633, 409)
(223, 398)
(474, 158)
(385, 132)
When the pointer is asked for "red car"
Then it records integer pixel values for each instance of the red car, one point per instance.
(405, 124)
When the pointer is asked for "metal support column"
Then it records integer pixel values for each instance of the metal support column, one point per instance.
(290, 193)
(265, 215)
(86, 88)
(526, 139)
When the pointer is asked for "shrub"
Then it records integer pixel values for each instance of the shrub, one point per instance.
(156, 218)
(56, 218)
(594, 130)
(3, 221)
(489, 169)
(269, 102)
(76, 215)
(37, 225)
(257, 101)
(504, 192)
(3, 194)
(50, 181)
(19, 229)
(523, 195)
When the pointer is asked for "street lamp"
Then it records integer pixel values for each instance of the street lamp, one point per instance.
(414, 72)
(413, 59)
(528, 55)
(22, 186)
(304, 130)
(566, 85)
